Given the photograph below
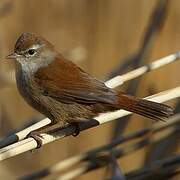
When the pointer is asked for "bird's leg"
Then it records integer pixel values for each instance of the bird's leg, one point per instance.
(36, 134)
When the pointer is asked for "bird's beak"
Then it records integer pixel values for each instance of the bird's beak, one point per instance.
(12, 56)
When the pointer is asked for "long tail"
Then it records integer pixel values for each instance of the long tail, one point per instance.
(152, 110)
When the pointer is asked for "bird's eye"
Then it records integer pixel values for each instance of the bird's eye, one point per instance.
(31, 52)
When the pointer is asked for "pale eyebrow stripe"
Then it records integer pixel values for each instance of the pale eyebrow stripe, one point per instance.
(35, 46)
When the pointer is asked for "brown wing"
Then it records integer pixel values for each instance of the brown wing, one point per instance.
(66, 82)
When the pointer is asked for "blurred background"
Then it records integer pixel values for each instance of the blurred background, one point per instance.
(99, 36)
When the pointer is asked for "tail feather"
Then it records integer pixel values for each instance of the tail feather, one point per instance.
(153, 110)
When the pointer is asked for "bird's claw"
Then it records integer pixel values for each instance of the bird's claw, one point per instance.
(77, 129)
(37, 137)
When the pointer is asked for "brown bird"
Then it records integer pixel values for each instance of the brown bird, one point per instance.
(65, 93)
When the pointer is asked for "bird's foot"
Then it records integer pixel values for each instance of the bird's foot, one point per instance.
(77, 129)
(37, 137)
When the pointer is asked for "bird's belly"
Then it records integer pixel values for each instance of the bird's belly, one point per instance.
(56, 110)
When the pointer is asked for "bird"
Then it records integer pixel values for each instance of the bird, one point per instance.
(66, 94)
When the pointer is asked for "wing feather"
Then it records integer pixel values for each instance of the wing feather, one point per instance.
(67, 83)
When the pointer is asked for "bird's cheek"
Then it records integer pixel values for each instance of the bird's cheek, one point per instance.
(21, 60)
